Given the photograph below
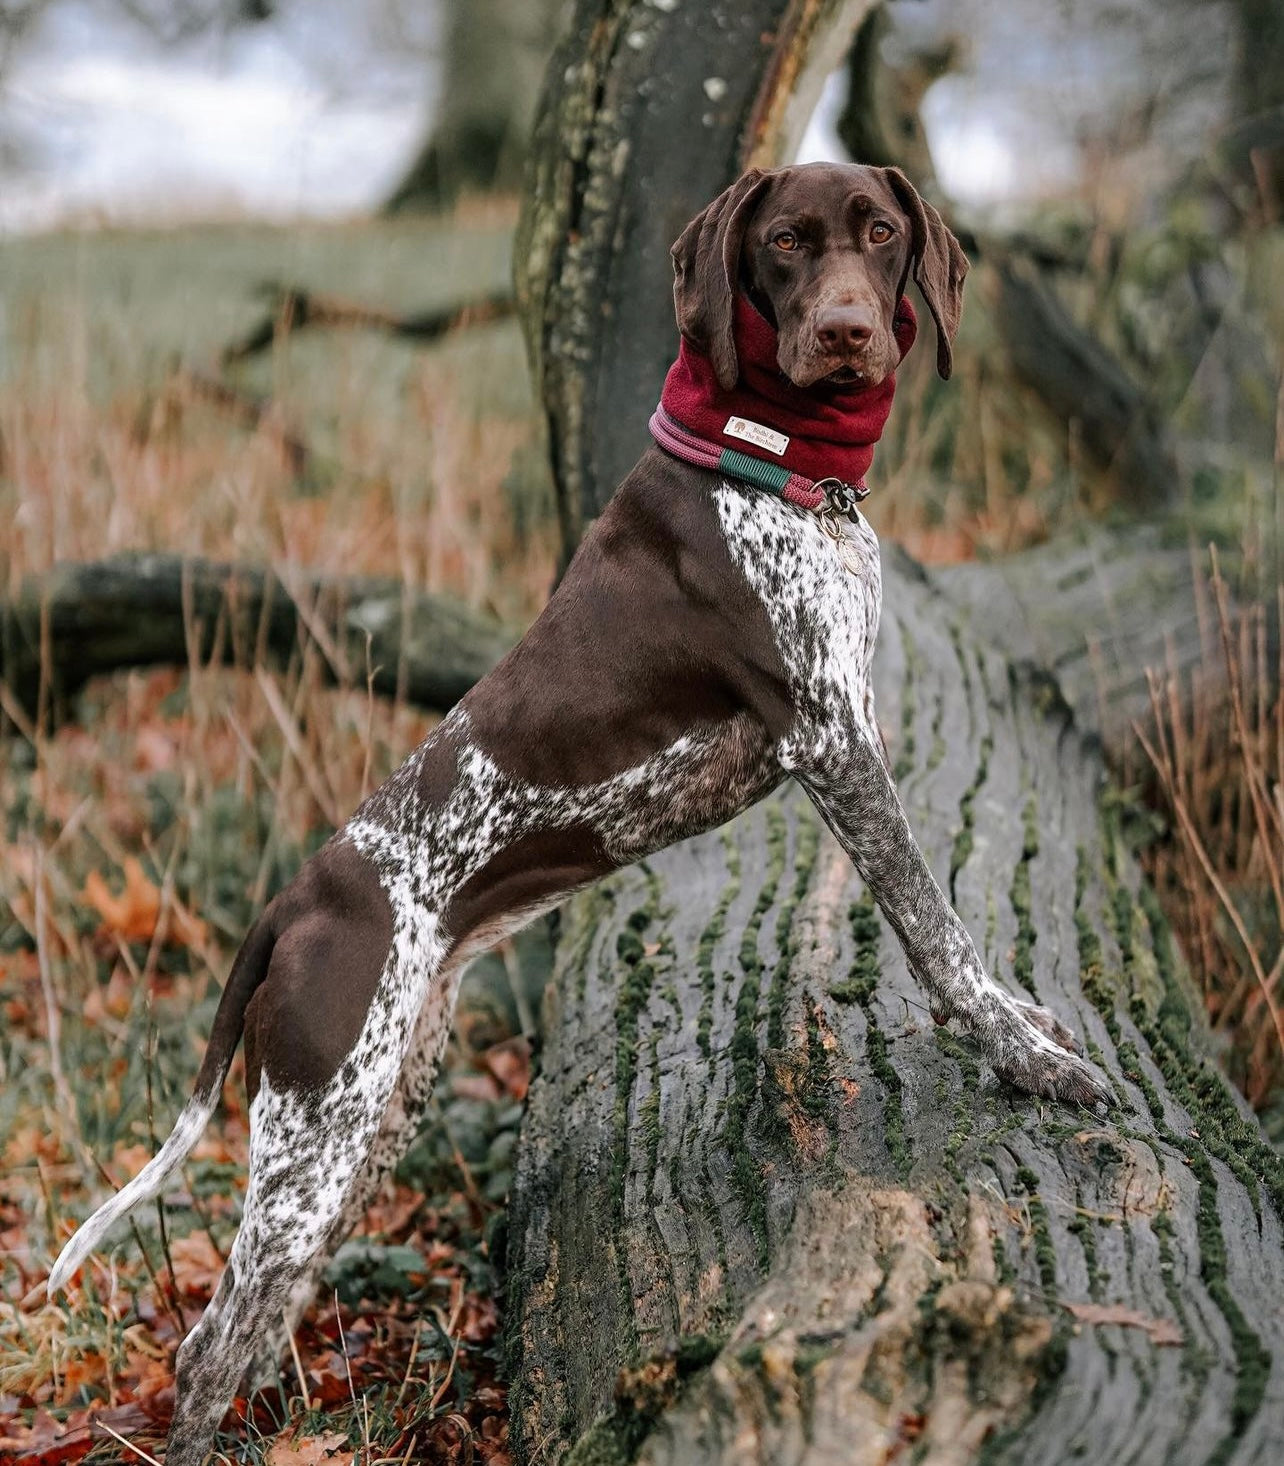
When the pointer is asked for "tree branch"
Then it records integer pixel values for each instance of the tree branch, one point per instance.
(296, 309)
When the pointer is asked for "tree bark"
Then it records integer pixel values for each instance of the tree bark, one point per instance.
(763, 1212)
(1097, 609)
(1083, 386)
(82, 620)
(648, 111)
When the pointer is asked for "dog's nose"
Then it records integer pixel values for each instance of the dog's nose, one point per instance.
(845, 327)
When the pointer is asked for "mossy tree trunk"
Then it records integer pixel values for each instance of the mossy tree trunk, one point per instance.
(1095, 609)
(649, 108)
(765, 1212)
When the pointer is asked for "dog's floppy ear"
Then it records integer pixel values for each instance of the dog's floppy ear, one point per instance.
(938, 263)
(706, 268)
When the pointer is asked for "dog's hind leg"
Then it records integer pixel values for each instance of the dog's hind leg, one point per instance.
(306, 1166)
(326, 1037)
(398, 1127)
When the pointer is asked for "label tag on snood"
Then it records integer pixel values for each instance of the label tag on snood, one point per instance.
(757, 434)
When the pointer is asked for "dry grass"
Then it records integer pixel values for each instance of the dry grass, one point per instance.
(201, 791)
(1220, 768)
(966, 468)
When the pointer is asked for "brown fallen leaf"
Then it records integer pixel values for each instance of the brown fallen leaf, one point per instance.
(1161, 1330)
(135, 914)
(50, 1442)
(112, 999)
(197, 1265)
(510, 1063)
(312, 1450)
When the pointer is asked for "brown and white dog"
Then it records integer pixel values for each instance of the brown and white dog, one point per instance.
(708, 640)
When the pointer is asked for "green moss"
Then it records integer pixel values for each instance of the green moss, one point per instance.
(965, 674)
(862, 976)
(746, 1173)
(882, 1068)
(607, 1442)
(786, 938)
(649, 1119)
(709, 939)
(1197, 1363)
(1084, 1230)
(1045, 1252)
(696, 1352)
(1252, 1358)
(642, 1395)
(629, 946)
(936, 753)
(1003, 1269)
(964, 1119)
(1163, 1020)
(630, 1002)
(964, 836)
(1022, 902)
(819, 1087)
(1092, 972)
(859, 987)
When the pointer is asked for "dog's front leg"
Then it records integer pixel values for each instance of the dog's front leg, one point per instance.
(848, 781)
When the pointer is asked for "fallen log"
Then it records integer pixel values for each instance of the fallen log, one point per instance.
(1100, 608)
(246, 409)
(766, 1212)
(295, 309)
(763, 1212)
(81, 620)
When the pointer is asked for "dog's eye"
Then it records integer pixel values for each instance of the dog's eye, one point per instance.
(880, 233)
(786, 240)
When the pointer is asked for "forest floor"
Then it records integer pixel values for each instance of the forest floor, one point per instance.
(137, 844)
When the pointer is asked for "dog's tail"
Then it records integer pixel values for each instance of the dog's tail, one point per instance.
(248, 972)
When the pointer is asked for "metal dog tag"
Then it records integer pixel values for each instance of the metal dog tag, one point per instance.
(850, 555)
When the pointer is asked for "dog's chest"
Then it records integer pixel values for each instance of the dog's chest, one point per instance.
(822, 596)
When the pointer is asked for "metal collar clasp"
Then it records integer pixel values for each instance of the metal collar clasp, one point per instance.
(841, 500)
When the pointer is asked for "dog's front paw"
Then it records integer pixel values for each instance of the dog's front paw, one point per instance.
(1048, 1024)
(1056, 1074)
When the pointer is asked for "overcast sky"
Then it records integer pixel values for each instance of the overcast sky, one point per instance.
(312, 113)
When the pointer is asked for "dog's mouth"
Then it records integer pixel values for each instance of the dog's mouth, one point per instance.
(866, 371)
(814, 372)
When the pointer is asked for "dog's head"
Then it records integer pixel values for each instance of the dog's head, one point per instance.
(824, 251)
